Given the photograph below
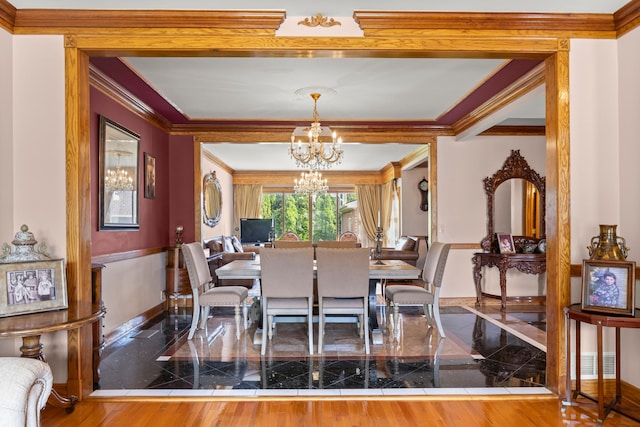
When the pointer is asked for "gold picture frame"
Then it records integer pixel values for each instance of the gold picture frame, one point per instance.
(32, 286)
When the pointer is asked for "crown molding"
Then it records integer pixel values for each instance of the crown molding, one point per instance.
(627, 18)
(7, 15)
(55, 20)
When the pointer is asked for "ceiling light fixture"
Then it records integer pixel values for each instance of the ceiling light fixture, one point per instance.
(322, 149)
(310, 183)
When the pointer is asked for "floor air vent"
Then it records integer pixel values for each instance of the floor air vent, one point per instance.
(589, 366)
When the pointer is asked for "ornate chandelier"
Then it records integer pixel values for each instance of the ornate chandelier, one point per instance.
(310, 183)
(322, 149)
(118, 179)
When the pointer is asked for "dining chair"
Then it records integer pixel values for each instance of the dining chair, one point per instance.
(286, 288)
(290, 235)
(292, 244)
(348, 236)
(336, 244)
(343, 287)
(206, 294)
(425, 292)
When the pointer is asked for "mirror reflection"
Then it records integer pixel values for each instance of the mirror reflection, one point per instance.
(118, 176)
(517, 208)
(211, 199)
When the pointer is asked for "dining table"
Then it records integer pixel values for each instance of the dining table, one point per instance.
(378, 271)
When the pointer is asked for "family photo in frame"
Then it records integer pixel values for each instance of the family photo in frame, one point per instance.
(609, 286)
(505, 243)
(32, 286)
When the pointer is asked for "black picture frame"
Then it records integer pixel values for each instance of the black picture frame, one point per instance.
(609, 286)
(119, 176)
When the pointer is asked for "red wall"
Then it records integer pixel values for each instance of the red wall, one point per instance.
(172, 154)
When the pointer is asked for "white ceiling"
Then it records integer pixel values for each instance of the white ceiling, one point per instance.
(358, 89)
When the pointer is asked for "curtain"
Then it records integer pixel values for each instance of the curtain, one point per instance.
(247, 203)
(369, 207)
(390, 210)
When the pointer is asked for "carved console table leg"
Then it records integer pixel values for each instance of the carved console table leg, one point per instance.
(503, 286)
(32, 348)
(477, 277)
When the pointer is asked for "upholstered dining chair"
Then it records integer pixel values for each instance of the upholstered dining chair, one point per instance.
(336, 244)
(290, 235)
(206, 295)
(425, 292)
(348, 236)
(343, 287)
(292, 244)
(286, 285)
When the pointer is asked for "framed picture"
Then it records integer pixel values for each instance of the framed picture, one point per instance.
(505, 243)
(149, 176)
(118, 173)
(32, 286)
(609, 286)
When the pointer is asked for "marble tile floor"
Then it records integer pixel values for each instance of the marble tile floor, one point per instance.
(485, 352)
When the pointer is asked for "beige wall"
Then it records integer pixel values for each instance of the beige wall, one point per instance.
(414, 221)
(462, 206)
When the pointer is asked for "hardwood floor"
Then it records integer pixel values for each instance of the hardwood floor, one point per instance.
(523, 411)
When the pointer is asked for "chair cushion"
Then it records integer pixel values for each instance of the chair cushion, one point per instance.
(228, 244)
(287, 303)
(214, 246)
(408, 294)
(342, 303)
(236, 244)
(225, 295)
(405, 243)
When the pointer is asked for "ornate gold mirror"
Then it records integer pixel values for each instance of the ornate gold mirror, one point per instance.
(515, 202)
(211, 199)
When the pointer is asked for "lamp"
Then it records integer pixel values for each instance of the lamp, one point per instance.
(118, 179)
(310, 183)
(316, 152)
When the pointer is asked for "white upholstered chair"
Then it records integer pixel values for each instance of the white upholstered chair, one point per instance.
(25, 386)
(286, 285)
(343, 287)
(206, 295)
(290, 235)
(425, 292)
(337, 244)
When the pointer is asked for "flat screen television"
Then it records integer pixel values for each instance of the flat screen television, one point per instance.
(255, 230)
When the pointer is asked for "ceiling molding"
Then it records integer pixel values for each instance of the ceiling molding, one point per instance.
(215, 160)
(527, 83)
(7, 16)
(514, 131)
(417, 156)
(53, 20)
(119, 94)
(487, 21)
(285, 178)
(627, 18)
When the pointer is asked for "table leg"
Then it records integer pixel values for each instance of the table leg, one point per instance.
(376, 333)
(600, 374)
(503, 288)
(32, 348)
(477, 277)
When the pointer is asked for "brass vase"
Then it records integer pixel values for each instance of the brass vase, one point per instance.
(608, 246)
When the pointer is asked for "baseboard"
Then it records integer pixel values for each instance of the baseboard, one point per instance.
(136, 322)
(630, 393)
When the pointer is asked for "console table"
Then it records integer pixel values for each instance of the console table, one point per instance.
(526, 263)
(30, 327)
(600, 320)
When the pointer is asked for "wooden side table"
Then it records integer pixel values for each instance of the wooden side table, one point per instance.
(600, 320)
(178, 284)
(526, 263)
(30, 327)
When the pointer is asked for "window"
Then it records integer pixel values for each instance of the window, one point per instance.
(323, 217)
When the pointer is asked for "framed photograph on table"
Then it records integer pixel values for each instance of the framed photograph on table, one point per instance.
(609, 286)
(32, 286)
(505, 243)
